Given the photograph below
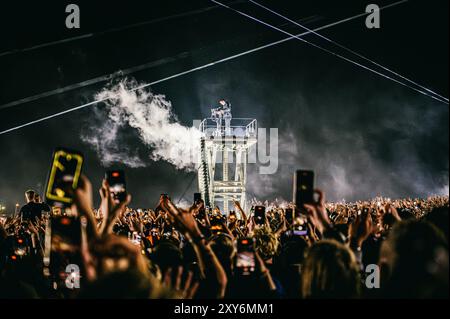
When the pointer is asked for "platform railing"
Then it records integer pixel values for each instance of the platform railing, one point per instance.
(240, 127)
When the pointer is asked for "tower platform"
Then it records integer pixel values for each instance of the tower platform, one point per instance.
(224, 153)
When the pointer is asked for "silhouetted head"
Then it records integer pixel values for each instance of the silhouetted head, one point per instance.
(330, 270)
(223, 247)
(30, 195)
(167, 254)
(414, 261)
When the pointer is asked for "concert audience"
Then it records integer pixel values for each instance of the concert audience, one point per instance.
(323, 250)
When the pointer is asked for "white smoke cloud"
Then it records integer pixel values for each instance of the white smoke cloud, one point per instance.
(152, 117)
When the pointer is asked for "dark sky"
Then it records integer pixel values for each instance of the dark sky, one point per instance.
(362, 134)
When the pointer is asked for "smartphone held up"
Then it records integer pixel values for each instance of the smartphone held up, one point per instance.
(246, 258)
(117, 185)
(260, 215)
(303, 188)
(62, 246)
(63, 178)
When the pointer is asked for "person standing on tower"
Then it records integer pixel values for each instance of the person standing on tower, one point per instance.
(223, 112)
(225, 107)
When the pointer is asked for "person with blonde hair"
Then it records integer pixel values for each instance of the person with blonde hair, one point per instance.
(267, 243)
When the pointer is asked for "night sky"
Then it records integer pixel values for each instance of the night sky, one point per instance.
(363, 135)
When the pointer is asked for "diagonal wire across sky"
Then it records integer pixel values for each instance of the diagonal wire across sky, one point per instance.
(349, 50)
(229, 58)
(331, 52)
(116, 29)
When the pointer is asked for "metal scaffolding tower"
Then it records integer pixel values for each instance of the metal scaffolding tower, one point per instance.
(225, 145)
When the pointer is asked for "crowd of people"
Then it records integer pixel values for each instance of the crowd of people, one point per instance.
(380, 248)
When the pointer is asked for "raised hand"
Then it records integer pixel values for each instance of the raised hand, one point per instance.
(264, 272)
(89, 265)
(181, 290)
(184, 219)
(209, 265)
(33, 229)
(239, 208)
(283, 225)
(83, 196)
(389, 209)
(83, 203)
(137, 224)
(104, 203)
(360, 230)
(312, 236)
(317, 213)
(110, 209)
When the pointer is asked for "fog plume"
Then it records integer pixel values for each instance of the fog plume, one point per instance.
(151, 117)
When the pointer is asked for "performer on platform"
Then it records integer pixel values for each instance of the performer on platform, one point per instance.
(222, 112)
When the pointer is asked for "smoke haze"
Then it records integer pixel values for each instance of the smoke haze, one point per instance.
(151, 117)
(341, 153)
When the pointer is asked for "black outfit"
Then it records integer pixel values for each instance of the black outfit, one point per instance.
(32, 210)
